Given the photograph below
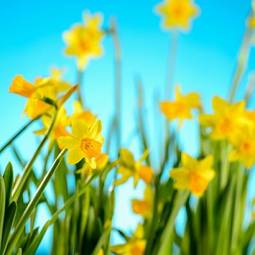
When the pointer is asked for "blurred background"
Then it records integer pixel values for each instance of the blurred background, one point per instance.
(31, 43)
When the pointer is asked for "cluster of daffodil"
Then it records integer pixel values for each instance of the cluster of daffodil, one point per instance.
(210, 190)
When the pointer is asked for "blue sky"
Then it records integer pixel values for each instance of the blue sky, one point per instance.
(31, 43)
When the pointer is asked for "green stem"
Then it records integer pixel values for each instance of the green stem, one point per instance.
(168, 231)
(141, 122)
(171, 63)
(21, 181)
(117, 81)
(241, 64)
(16, 135)
(80, 97)
(152, 228)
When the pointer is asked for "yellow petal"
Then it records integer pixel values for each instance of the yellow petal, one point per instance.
(68, 142)
(21, 87)
(74, 156)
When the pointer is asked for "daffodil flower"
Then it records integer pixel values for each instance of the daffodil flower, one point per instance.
(134, 246)
(226, 118)
(84, 40)
(60, 127)
(177, 14)
(243, 146)
(81, 114)
(181, 108)
(85, 142)
(130, 168)
(143, 206)
(194, 175)
(50, 87)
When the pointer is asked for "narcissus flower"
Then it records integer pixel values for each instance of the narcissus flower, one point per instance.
(226, 118)
(143, 206)
(244, 146)
(134, 246)
(50, 87)
(81, 114)
(181, 108)
(59, 128)
(194, 175)
(130, 168)
(84, 40)
(85, 142)
(177, 14)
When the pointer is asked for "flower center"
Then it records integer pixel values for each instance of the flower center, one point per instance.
(90, 147)
(246, 147)
(137, 249)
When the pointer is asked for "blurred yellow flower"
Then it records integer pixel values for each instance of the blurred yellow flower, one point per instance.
(85, 142)
(59, 128)
(84, 40)
(130, 168)
(134, 246)
(225, 120)
(100, 162)
(177, 14)
(181, 108)
(81, 114)
(42, 88)
(194, 175)
(143, 206)
(101, 252)
(244, 146)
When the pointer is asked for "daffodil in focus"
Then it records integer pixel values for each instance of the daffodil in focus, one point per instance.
(226, 118)
(129, 167)
(50, 87)
(181, 108)
(84, 40)
(134, 246)
(84, 142)
(143, 206)
(177, 14)
(194, 175)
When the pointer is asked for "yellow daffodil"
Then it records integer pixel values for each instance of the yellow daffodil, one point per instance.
(177, 14)
(226, 118)
(244, 146)
(134, 246)
(85, 142)
(84, 40)
(59, 128)
(99, 164)
(130, 168)
(143, 206)
(81, 114)
(181, 108)
(50, 87)
(194, 175)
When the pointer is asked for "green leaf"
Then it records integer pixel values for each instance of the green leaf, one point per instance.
(8, 223)
(102, 240)
(8, 180)
(2, 207)
(32, 204)
(19, 252)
